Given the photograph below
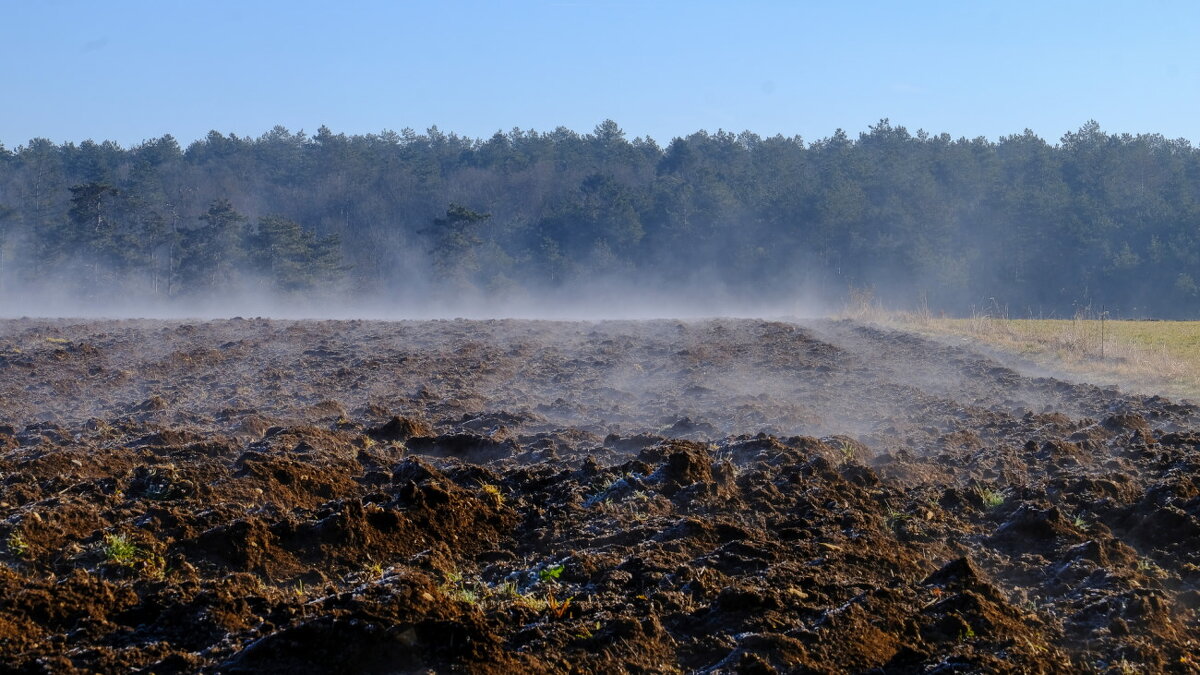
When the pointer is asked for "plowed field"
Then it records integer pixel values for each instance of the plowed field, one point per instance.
(249, 496)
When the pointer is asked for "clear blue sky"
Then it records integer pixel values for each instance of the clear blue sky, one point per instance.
(128, 71)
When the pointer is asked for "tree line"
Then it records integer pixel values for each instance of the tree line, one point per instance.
(1095, 219)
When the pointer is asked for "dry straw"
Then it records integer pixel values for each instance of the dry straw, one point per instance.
(1148, 357)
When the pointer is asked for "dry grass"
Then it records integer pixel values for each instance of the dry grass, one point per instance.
(1152, 357)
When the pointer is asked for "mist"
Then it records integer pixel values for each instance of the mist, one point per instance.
(610, 299)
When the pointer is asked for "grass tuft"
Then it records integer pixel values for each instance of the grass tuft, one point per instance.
(17, 546)
(119, 550)
(991, 498)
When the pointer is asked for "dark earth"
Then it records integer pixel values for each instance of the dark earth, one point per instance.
(725, 496)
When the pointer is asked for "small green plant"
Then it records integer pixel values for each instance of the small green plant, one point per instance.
(847, 451)
(1148, 566)
(509, 590)
(375, 569)
(991, 498)
(457, 587)
(119, 550)
(1080, 524)
(550, 573)
(467, 595)
(17, 546)
(968, 634)
(896, 518)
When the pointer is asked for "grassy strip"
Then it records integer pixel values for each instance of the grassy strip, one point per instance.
(1150, 357)
(1145, 356)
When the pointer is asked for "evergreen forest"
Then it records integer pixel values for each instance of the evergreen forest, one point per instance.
(1036, 227)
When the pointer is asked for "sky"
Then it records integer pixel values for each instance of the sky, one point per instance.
(129, 71)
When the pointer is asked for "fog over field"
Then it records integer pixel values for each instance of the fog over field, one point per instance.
(586, 301)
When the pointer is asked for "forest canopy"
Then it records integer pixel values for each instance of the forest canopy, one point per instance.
(1107, 221)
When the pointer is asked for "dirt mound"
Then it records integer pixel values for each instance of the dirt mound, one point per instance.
(400, 429)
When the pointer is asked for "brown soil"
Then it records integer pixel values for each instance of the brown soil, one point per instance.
(510, 496)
